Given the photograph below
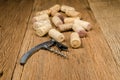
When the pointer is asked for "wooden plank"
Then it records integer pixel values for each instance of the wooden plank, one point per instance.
(14, 16)
(107, 13)
(108, 8)
(93, 61)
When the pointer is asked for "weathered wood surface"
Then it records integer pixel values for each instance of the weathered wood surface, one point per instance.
(107, 14)
(14, 16)
(97, 59)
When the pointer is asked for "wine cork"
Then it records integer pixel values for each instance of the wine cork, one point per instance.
(65, 27)
(53, 13)
(43, 30)
(47, 11)
(54, 9)
(41, 23)
(57, 14)
(70, 19)
(56, 35)
(57, 21)
(75, 41)
(60, 16)
(40, 17)
(79, 29)
(37, 25)
(72, 13)
(86, 25)
(65, 8)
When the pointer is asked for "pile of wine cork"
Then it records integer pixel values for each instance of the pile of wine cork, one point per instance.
(64, 18)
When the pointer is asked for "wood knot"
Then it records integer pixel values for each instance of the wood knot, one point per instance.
(88, 8)
(81, 18)
(1, 73)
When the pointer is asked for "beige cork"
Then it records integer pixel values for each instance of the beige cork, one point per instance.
(56, 35)
(43, 30)
(75, 41)
(53, 13)
(61, 16)
(79, 29)
(47, 11)
(57, 14)
(41, 23)
(37, 25)
(70, 19)
(65, 27)
(65, 8)
(86, 25)
(57, 21)
(40, 17)
(72, 13)
(54, 9)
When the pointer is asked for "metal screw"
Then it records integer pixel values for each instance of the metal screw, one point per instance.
(58, 52)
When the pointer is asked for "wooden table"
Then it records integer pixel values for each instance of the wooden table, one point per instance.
(97, 59)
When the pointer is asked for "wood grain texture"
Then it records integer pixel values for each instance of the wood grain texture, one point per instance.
(97, 58)
(107, 13)
(14, 16)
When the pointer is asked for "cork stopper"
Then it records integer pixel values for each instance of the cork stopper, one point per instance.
(41, 23)
(47, 11)
(70, 19)
(60, 16)
(65, 27)
(56, 35)
(54, 9)
(57, 21)
(53, 13)
(40, 17)
(75, 41)
(86, 25)
(79, 29)
(43, 30)
(65, 8)
(72, 13)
